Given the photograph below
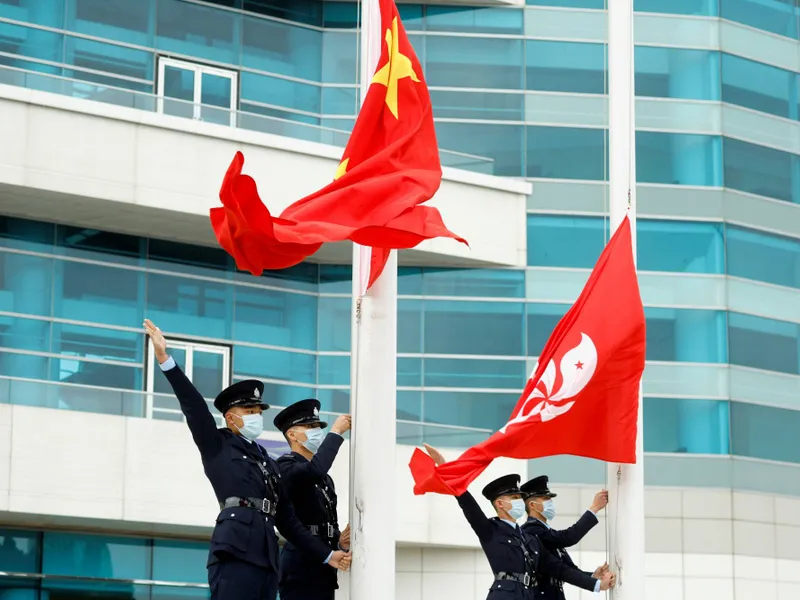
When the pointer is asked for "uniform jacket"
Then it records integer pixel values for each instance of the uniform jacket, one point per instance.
(231, 464)
(307, 484)
(556, 541)
(502, 545)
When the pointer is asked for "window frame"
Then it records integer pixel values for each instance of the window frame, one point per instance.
(199, 70)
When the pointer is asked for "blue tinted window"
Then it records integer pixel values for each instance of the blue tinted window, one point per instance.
(281, 395)
(677, 73)
(763, 256)
(26, 282)
(281, 48)
(40, 12)
(680, 246)
(409, 280)
(461, 373)
(409, 408)
(95, 342)
(478, 105)
(542, 319)
(778, 17)
(273, 317)
(337, 401)
(70, 369)
(261, 363)
(495, 149)
(686, 335)
(26, 235)
(764, 343)
(409, 373)
(83, 242)
(180, 561)
(23, 365)
(565, 66)
(345, 15)
(501, 283)
(759, 86)
(485, 410)
(339, 101)
(562, 241)
(333, 370)
(304, 11)
(24, 334)
(19, 551)
(474, 62)
(334, 324)
(758, 170)
(453, 327)
(678, 158)
(109, 58)
(99, 294)
(472, 19)
(118, 20)
(566, 153)
(686, 425)
(706, 8)
(33, 43)
(280, 92)
(199, 31)
(598, 4)
(189, 306)
(410, 326)
(339, 52)
(84, 555)
(765, 432)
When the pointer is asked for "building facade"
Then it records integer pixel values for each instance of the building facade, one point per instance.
(117, 119)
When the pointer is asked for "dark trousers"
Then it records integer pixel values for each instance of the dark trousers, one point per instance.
(298, 591)
(233, 579)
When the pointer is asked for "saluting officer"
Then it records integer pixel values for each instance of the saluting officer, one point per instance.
(305, 474)
(243, 558)
(515, 556)
(541, 509)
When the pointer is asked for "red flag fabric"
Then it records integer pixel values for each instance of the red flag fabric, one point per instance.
(583, 396)
(389, 168)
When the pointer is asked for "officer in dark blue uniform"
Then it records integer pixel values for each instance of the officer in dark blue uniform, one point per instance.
(517, 559)
(309, 487)
(243, 559)
(541, 509)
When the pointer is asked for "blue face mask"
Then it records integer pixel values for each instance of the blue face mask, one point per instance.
(549, 510)
(313, 440)
(517, 509)
(252, 426)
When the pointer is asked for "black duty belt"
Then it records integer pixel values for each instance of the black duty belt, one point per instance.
(263, 505)
(323, 530)
(523, 578)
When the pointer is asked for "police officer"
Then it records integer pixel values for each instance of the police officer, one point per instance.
(243, 558)
(541, 509)
(516, 558)
(305, 474)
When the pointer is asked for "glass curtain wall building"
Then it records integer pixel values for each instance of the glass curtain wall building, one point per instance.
(517, 92)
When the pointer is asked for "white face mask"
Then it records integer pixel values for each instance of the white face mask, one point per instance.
(517, 509)
(549, 510)
(252, 426)
(313, 440)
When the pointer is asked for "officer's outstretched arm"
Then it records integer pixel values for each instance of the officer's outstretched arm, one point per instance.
(477, 520)
(320, 463)
(565, 538)
(550, 564)
(198, 417)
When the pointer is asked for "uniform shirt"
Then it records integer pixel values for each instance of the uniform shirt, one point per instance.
(502, 543)
(231, 464)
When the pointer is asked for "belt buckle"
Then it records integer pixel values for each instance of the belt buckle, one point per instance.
(266, 506)
(526, 580)
(331, 531)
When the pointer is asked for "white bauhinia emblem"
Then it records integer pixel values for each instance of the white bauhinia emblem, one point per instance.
(577, 367)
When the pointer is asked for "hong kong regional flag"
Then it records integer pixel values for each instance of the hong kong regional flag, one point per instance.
(389, 168)
(583, 396)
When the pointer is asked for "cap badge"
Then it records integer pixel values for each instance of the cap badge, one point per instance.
(316, 412)
(256, 394)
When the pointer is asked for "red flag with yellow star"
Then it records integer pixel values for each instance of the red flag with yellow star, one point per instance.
(390, 167)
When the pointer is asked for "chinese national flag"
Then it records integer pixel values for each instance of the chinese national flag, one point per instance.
(389, 168)
(583, 396)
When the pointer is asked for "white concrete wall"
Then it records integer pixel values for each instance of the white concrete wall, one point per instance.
(144, 173)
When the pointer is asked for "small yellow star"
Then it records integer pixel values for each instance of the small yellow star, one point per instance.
(398, 67)
(341, 169)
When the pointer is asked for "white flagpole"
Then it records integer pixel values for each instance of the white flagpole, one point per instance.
(373, 391)
(625, 511)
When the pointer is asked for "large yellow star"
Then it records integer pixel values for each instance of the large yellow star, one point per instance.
(341, 169)
(398, 67)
